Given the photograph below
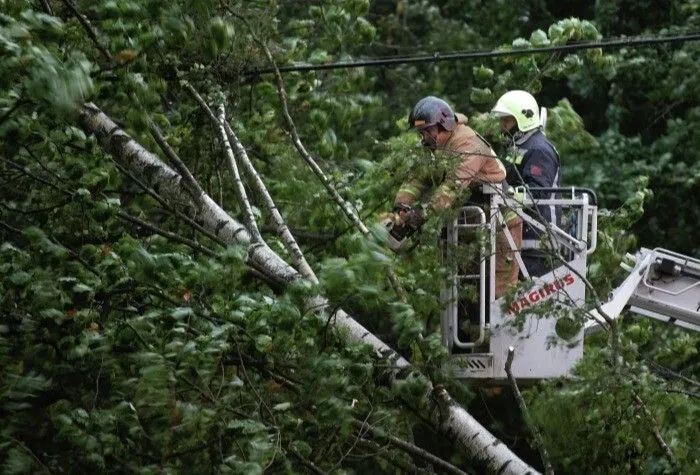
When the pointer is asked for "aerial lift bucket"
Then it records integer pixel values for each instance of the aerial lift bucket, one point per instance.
(479, 333)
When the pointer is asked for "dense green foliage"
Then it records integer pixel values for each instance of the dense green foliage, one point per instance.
(125, 351)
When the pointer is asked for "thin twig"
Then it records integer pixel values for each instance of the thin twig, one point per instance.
(47, 7)
(26, 171)
(303, 235)
(412, 449)
(92, 33)
(403, 465)
(167, 234)
(307, 463)
(526, 415)
(11, 228)
(668, 372)
(145, 344)
(76, 256)
(97, 383)
(172, 155)
(30, 452)
(655, 429)
(682, 391)
(11, 110)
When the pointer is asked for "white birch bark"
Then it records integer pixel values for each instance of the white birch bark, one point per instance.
(477, 442)
(280, 225)
(171, 186)
(240, 188)
(446, 415)
(278, 221)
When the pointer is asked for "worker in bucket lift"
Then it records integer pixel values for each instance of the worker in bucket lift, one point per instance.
(462, 161)
(532, 161)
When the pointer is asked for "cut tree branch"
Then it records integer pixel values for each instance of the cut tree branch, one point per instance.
(446, 416)
(526, 415)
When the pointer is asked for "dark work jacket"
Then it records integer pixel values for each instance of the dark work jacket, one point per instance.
(533, 161)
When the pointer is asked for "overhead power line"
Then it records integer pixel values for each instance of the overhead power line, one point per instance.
(437, 57)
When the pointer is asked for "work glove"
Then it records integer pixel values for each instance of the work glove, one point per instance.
(410, 216)
(401, 224)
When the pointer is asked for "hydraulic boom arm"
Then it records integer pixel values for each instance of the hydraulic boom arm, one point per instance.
(662, 285)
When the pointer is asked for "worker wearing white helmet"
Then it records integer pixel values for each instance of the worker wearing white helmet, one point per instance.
(534, 162)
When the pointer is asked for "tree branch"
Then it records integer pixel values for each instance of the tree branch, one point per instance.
(307, 463)
(18, 103)
(526, 415)
(340, 201)
(655, 429)
(240, 188)
(41, 464)
(403, 465)
(668, 372)
(92, 33)
(47, 7)
(407, 447)
(167, 207)
(170, 153)
(685, 393)
(280, 225)
(167, 234)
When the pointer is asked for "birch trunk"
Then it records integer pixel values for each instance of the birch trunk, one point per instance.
(171, 186)
(446, 415)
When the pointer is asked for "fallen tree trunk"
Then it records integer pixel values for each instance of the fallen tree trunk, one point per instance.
(446, 415)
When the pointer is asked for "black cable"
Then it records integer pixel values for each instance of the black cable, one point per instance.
(437, 57)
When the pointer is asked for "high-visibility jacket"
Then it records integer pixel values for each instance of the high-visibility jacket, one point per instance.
(465, 161)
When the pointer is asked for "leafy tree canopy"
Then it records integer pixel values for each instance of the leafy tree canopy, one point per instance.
(135, 340)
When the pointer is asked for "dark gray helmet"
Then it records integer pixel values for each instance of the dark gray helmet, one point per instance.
(432, 110)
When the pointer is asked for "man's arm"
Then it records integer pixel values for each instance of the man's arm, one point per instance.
(410, 192)
(540, 169)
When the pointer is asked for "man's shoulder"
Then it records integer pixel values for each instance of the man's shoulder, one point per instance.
(539, 145)
(468, 141)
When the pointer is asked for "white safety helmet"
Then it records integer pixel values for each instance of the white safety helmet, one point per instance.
(521, 106)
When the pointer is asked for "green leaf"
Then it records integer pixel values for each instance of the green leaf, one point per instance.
(539, 38)
(263, 343)
(246, 426)
(20, 278)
